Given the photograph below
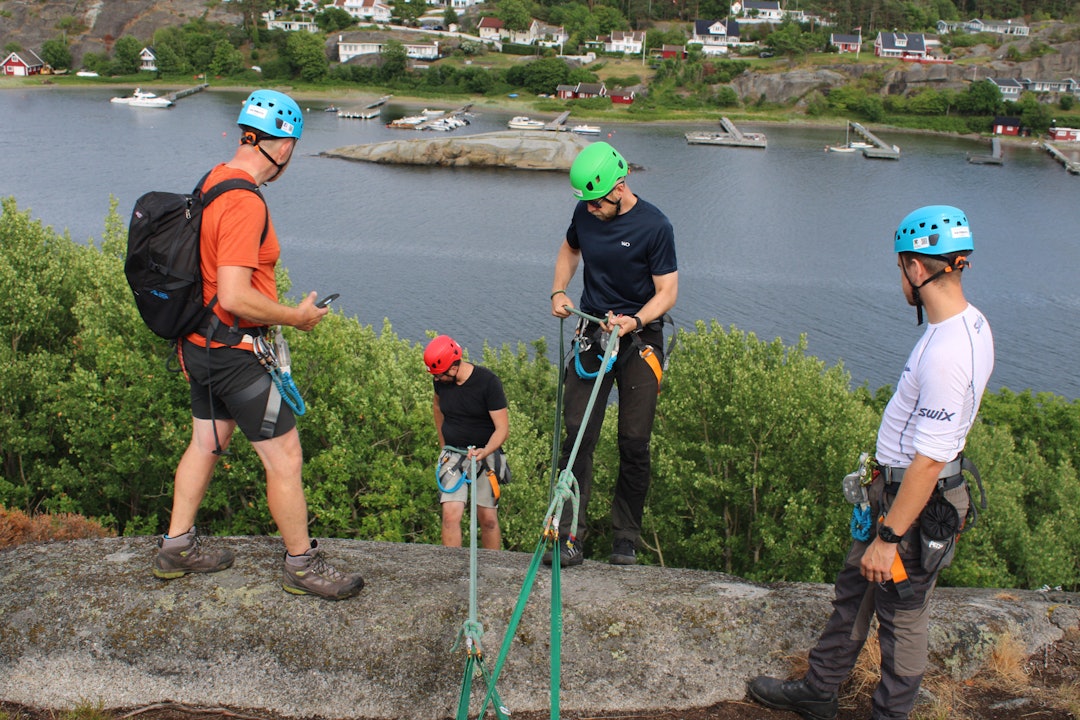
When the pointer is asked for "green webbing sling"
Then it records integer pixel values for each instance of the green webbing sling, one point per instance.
(473, 630)
(565, 489)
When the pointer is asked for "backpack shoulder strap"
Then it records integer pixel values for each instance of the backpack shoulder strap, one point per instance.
(233, 184)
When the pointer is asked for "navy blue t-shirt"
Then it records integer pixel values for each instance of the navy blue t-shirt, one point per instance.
(621, 257)
(467, 408)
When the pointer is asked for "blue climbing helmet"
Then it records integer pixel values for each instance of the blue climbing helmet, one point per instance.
(934, 230)
(273, 113)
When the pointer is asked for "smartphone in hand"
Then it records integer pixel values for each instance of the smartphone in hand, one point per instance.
(326, 300)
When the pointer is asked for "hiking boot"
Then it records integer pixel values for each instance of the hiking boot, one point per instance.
(182, 554)
(310, 574)
(623, 552)
(794, 695)
(570, 552)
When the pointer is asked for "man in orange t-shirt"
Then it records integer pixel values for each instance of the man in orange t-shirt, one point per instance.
(229, 386)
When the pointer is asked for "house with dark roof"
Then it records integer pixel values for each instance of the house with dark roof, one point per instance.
(998, 27)
(846, 43)
(761, 11)
(1010, 88)
(911, 46)
(715, 36)
(1006, 125)
(22, 62)
(673, 51)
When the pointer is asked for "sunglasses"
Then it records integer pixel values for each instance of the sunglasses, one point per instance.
(599, 202)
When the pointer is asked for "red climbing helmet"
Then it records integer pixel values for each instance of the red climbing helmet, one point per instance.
(440, 354)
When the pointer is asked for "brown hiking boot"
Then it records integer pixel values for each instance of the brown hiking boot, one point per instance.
(182, 554)
(310, 574)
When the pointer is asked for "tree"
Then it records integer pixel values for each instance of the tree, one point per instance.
(56, 53)
(394, 60)
(515, 14)
(982, 98)
(332, 19)
(409, 11)
(307, 56)
(227, 60)
(545, 74)
(126, 59)
(449, 16)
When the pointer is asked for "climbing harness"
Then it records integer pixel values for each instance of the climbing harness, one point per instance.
(277, 361)
(472, 630)
(855, 485)
(583, 343)
(564, 490)
(450, 472)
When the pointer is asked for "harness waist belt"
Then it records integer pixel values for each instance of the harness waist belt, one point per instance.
(951, 471)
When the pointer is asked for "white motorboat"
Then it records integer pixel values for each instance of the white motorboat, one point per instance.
(585, 129)
(409, 122)
(522, 122)
(143, 99)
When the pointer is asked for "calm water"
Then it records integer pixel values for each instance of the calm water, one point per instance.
(779, 242)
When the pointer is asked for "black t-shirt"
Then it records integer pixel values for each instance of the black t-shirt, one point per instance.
(467, 408)
(621, 257)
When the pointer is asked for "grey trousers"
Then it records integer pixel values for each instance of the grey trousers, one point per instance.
(902, 632)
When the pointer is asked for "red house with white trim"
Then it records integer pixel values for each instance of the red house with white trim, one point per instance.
(1064, 134)
(22, 63)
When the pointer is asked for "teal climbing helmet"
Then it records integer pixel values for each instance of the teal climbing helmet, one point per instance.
(934, 230)
(596, 170)
(273, 113)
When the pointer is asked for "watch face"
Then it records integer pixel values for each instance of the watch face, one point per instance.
(887, 535)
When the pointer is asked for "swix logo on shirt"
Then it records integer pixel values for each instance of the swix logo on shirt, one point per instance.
(941, 414)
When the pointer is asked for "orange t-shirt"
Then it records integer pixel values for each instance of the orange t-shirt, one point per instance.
(232, 226)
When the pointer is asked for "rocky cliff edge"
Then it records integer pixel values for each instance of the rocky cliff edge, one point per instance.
(86, 622)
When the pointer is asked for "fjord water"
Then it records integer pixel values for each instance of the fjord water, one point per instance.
(779, 242)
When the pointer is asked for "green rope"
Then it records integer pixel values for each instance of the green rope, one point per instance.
(565, 489)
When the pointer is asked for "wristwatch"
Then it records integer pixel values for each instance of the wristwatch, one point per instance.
(886, 534)
(639, 324)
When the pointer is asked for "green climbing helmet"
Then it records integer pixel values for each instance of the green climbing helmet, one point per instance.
(934, 230)
(596, 170)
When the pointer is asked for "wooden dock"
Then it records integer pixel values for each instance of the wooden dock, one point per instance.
(1069, 160)
(730, 135)
(994, 158)
(187, 91)
(367, 112)
(879, 148)
(557, 124)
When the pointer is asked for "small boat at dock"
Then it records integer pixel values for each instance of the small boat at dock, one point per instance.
(522, 122)
(585, 129)
(143, 99)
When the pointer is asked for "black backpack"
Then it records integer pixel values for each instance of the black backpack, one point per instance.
(162, 265)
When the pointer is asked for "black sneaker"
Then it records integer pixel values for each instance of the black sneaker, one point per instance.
(794, 695)
(182, 554)
(623, 552)
(570, 552)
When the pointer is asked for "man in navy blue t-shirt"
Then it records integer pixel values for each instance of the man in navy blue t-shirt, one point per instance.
(631, 280)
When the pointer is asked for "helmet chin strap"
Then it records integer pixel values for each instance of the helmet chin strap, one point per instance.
(250, 139)
(958, 265)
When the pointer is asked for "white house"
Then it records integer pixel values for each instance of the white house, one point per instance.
(538, 33)
(998, 27)
(490, 28)
(147, 59)
(759, 11)
(715, 36)
(1010, 88)
(372, 10)
(628, 43)
(292, 25)
(347, 50)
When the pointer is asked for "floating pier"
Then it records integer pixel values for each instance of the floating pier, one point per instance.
(1070, 160)
(731, 136)
(187, 91)
(994, 158)
(368, 112)
(879, 148)
(557, 124)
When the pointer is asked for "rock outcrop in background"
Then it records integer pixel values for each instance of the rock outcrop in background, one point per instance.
(86, 622)
(514, 149)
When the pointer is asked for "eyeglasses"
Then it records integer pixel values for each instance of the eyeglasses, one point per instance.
(599, 202)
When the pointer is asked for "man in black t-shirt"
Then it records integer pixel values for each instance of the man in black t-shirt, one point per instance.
(470, 411)
(631, 280)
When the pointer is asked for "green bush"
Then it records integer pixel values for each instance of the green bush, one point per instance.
(751, 441)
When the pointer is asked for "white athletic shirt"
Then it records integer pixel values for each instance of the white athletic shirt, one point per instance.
(939, 391)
